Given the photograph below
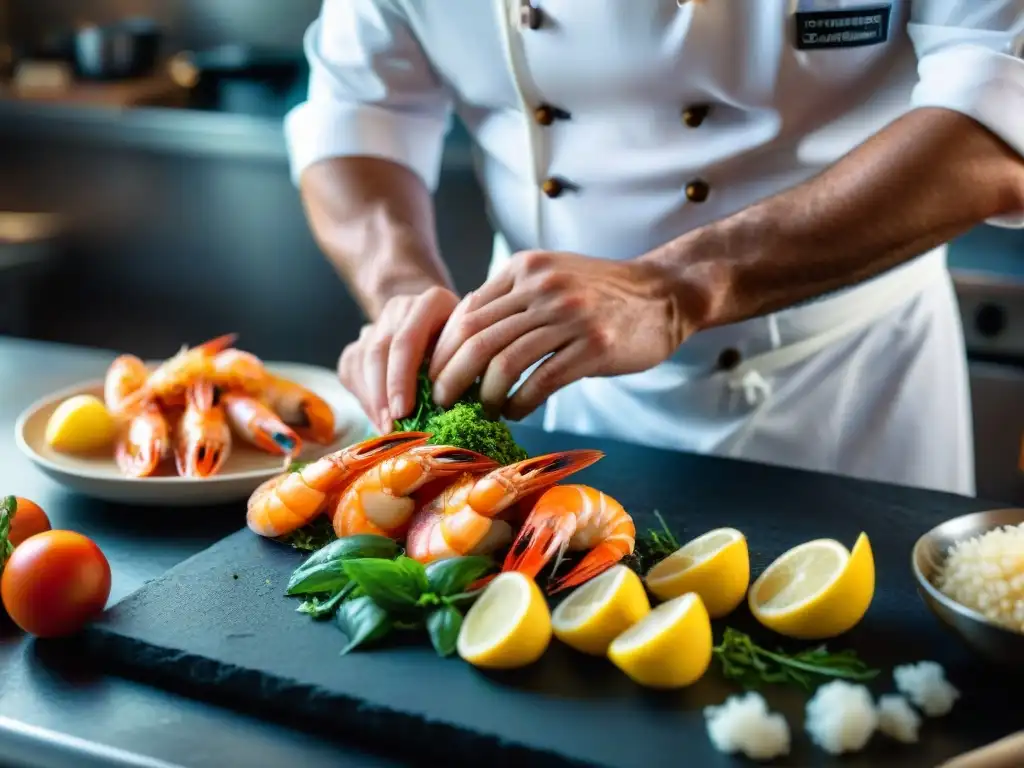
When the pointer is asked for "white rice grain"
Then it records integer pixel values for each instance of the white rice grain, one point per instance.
(925, 684)
(897, 719)
(743, 724)
(986, 573)
(841, 717)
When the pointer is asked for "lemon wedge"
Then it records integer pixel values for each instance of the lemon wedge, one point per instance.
(817, 590)
(716, 566)
(80, 424)
(601, 610)
(669, 648)
(508, 626)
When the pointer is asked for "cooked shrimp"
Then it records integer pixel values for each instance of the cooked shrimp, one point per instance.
(572, 517)
(204, 438)
(239, 371)
(292, 499)
(145, 443)
(306, 412)
(260, 426)
(126, 375)
(171, 380)
(465, 518)
(380, 501)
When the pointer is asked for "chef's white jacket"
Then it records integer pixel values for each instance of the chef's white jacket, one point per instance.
(608, 127)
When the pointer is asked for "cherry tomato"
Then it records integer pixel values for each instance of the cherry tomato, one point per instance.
(29, 519)
(55, 583)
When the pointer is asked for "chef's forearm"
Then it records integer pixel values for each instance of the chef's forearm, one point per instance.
(923, 180)
(374, 220)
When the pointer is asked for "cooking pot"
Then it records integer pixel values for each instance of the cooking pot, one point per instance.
(122, 50)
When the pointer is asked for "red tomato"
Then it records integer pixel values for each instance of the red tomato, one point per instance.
(55, 583)
(29, 519)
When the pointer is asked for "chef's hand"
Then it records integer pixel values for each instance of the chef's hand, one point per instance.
(592, 316)
(380, 367)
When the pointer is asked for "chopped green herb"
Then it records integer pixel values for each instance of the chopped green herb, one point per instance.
(464, 425)
(312, 537)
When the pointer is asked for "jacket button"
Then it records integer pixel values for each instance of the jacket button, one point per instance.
(530, 16)
(694, 116)
(697, 191)
(729, 359)
(553, 187)
(546, 114)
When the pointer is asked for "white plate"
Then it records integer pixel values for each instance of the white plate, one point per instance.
(246, 467)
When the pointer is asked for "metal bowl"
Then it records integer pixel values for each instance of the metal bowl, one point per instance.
(990, 640)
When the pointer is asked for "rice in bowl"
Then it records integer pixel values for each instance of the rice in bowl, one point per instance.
(986, 573)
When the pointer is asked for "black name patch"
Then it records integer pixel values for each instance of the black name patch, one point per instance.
(849, 28)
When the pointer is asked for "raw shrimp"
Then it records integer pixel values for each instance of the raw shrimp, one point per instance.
(292, 499)
(170, 381)
(145, 443)
(204, 438)
(145, 440)
(380, 501)
(126, 375)
(260, 426)
(306, 412)
(464, 518)
(237, 370)
(572, 517)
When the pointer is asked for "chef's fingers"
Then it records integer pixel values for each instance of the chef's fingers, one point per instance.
(453, 319)
(476, 352)
(512, 362)
(561, 369)
(374, 364)
(425, 318)
(492, 290)
(350, 371)
(470, 323)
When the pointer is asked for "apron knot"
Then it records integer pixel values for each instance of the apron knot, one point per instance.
(754, 388)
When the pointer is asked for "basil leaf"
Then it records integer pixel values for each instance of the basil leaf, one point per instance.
(415, 571)
(452, 576)
(362, 621)
(392, 584)
(347, 547)
(328, 577)
(322, 610)
(444, 624)
(464, 598)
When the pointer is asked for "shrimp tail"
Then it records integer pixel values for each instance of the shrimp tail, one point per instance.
(542, 537)
(594, 563)
(144, 444)
(218, 344)
(202, 396)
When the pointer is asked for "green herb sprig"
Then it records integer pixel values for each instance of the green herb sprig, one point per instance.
(750, 665)
(652, 546)
(371, 591)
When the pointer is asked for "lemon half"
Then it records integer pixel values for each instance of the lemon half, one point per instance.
(508, 626)
(716, 566)
(816, 590)
(80, 424)
(601, 610)
(669, 648)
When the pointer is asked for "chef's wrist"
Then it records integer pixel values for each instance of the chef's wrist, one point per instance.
(703, 273)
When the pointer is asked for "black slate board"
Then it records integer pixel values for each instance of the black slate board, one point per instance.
(218, 627)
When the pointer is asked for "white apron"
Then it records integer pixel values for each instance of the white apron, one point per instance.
(871, 383)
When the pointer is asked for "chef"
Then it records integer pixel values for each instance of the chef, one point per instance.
(720, 223)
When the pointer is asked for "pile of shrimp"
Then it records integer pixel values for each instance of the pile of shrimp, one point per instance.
(443, 502)
(193, 406)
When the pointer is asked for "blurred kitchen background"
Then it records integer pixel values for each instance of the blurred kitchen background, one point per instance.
(145, 200)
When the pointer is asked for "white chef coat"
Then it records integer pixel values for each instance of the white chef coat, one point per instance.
(609, 127)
